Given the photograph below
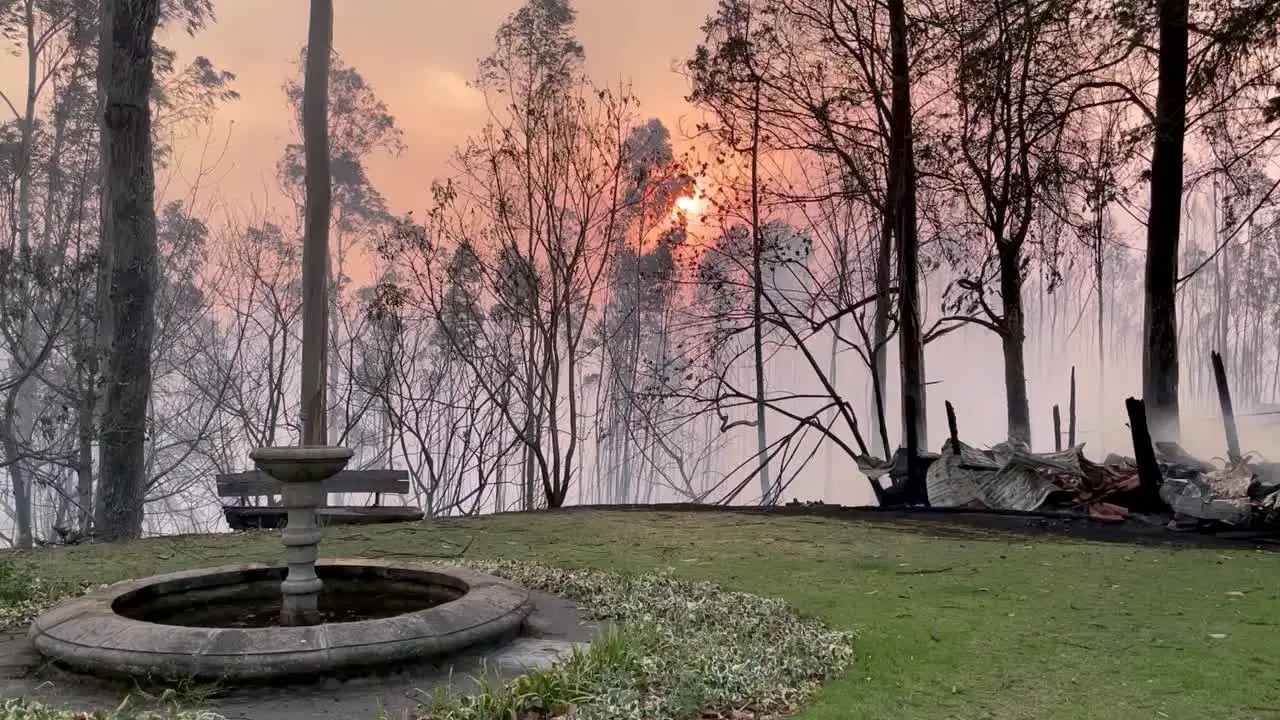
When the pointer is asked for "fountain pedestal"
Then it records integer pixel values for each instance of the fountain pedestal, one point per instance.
(301, 472)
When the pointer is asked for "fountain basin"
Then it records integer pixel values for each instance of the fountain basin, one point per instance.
(301, 464)
(145, 627)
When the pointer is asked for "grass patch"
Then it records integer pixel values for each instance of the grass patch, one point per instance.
(950, 628)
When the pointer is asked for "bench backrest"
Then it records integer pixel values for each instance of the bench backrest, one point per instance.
(257, 483)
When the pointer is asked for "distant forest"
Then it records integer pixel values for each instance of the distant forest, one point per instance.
(590, 310)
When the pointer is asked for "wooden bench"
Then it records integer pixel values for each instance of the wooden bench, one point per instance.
(255, 483)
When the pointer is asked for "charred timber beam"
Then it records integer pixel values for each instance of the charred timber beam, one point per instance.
(1144, 453)
(1228, 414)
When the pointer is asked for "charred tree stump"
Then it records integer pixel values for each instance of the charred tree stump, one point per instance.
(1057, 429)
(952, 428)
(909, 485)
(1228, 414)
(1144, 453)
(915, 491)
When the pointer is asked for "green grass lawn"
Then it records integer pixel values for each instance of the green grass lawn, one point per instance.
(949, 627)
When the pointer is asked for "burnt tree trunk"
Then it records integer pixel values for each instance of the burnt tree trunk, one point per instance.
(1012, 344)
(1071, 412)
(1144, 455)
(128, 252)
(1160, 314)
(902, 204)
(1224, 402)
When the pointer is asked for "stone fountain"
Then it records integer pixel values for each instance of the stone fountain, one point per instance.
(301, 472)
(255, 622)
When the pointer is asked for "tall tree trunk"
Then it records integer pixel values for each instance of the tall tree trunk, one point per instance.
(1164, 216)
(87, 403)
(315, 242)
(24, 534)
(128, 262)
(880, 338)
(757, 302)
(902, 198)
(828, 448)
(500, 476)
(1222, 317)
(1099, 259)
(1012, 343)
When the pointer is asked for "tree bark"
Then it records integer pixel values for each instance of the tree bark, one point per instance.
(1160, 313)
(902, 200)
(315, 241)
(127, 262)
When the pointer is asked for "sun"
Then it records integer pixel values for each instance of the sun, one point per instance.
(688, 204)
(691, 206)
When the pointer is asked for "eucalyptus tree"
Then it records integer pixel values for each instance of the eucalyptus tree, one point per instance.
(257, 309)
(128, 248)
(1211, 57)
(420, 359)
(633, 333)
(55, 144)
(1017, 67)
(49, 162)
(360, 126)
(727, 77)
(796, 308)
(538, 193)
(827, 79)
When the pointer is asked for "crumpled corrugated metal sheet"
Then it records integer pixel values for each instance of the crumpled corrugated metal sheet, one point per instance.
(1268, 508)
(1011, 478)
(1221, 494)
(873, 468)
(951, 483)
(1195, 497)
(1004, 478)
(1266, 480)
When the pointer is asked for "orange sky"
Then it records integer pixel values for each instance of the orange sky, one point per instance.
(418, 55)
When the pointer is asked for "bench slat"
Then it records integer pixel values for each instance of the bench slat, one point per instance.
(256, 483)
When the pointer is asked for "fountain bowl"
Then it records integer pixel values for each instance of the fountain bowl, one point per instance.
(219, 623)
(301, 464)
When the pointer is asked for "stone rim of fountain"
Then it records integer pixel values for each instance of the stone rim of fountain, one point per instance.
(88, 635)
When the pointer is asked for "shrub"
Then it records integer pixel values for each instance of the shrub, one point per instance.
(23, 594)
(681, 648)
